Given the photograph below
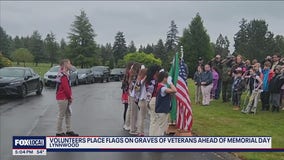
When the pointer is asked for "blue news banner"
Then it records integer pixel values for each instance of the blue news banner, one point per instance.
(40, 145)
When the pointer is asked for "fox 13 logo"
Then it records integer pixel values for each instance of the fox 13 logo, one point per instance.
(23, 142)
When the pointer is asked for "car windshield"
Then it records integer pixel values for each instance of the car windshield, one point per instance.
(82, 71)
(98, 69)
(116, 71)
(12, 72)
(54, 69)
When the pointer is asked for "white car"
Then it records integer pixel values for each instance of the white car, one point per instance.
(50, 76)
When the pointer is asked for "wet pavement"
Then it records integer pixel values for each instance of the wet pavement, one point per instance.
(96, 111)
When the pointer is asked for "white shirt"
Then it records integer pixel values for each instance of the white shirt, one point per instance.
(163, 91)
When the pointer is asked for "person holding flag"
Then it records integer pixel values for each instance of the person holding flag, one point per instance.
(181, 105)
(163, 102)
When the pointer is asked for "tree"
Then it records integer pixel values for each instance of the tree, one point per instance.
(106, 54)
(119, 47)
(146, 59)
(131, 47)
(63, 49)
(51, 47)
(254, 39)
(241, 38)
(161, 53)
(222, 46)
(172, 38)
(196, 43)
(5, 42)
(36, 47)
(4, 61)
(22, 55)
(149, 49)
(141, 49)
(279, 44)
(82, 45)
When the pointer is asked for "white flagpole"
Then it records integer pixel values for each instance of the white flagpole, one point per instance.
(181, 51)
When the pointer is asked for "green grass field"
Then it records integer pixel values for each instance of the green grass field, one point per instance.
(41, 69)
(219, 119)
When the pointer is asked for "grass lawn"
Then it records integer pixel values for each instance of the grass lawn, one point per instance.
(41, 69)
(219, 119)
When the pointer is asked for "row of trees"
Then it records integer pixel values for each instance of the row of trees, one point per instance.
(253, 40)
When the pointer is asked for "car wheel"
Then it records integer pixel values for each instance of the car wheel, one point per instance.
(108, 79)
(24, 91)
(39, 90)
(102, 80)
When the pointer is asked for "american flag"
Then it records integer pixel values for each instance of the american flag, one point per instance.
(184, 112)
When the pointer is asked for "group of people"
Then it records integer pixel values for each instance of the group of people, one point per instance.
(149, 90)
(146, 91)
(232, 76)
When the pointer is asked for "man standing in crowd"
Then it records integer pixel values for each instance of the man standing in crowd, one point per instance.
(275, 87)
(275, 61)
(64, 99)
(206, 85)
(216, 63)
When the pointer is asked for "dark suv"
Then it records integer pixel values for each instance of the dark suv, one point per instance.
(101, 73)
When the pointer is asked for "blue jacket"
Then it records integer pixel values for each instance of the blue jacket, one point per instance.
(207, 77)
(265, 79)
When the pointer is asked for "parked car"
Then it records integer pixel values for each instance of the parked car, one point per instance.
(86, 76)
(117, 74)
(19, 81)
(101, 73)
(50, 76)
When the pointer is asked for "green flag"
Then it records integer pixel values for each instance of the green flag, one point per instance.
(174, 74)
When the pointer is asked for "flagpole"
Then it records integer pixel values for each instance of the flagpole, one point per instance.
(181, 51)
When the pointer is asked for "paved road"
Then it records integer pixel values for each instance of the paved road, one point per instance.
(97, 110)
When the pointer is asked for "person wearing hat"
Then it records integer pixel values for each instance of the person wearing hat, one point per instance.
(238, 87)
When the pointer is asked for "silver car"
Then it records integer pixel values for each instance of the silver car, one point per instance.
(50, 76)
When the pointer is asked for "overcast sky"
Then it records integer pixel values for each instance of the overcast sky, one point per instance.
(143, 22)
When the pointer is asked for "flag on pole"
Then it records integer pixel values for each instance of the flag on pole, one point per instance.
(174, 74)
(184, 111)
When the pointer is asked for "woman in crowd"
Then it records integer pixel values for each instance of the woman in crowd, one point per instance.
(151, 84)
(197, 82)
(141, 95)
(125, 94)
(133, 73)
(215, 82)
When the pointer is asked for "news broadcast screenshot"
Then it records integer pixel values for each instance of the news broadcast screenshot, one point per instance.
(142, 80)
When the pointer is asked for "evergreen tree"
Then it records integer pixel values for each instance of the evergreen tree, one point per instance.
(149, 49)
(82, 45)
(222, 46)
(196, 43)
(36, 47)
(5, 42)
(254, 40)
(119, 47)
(51, 48)
(172, 38)
(131, 48)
